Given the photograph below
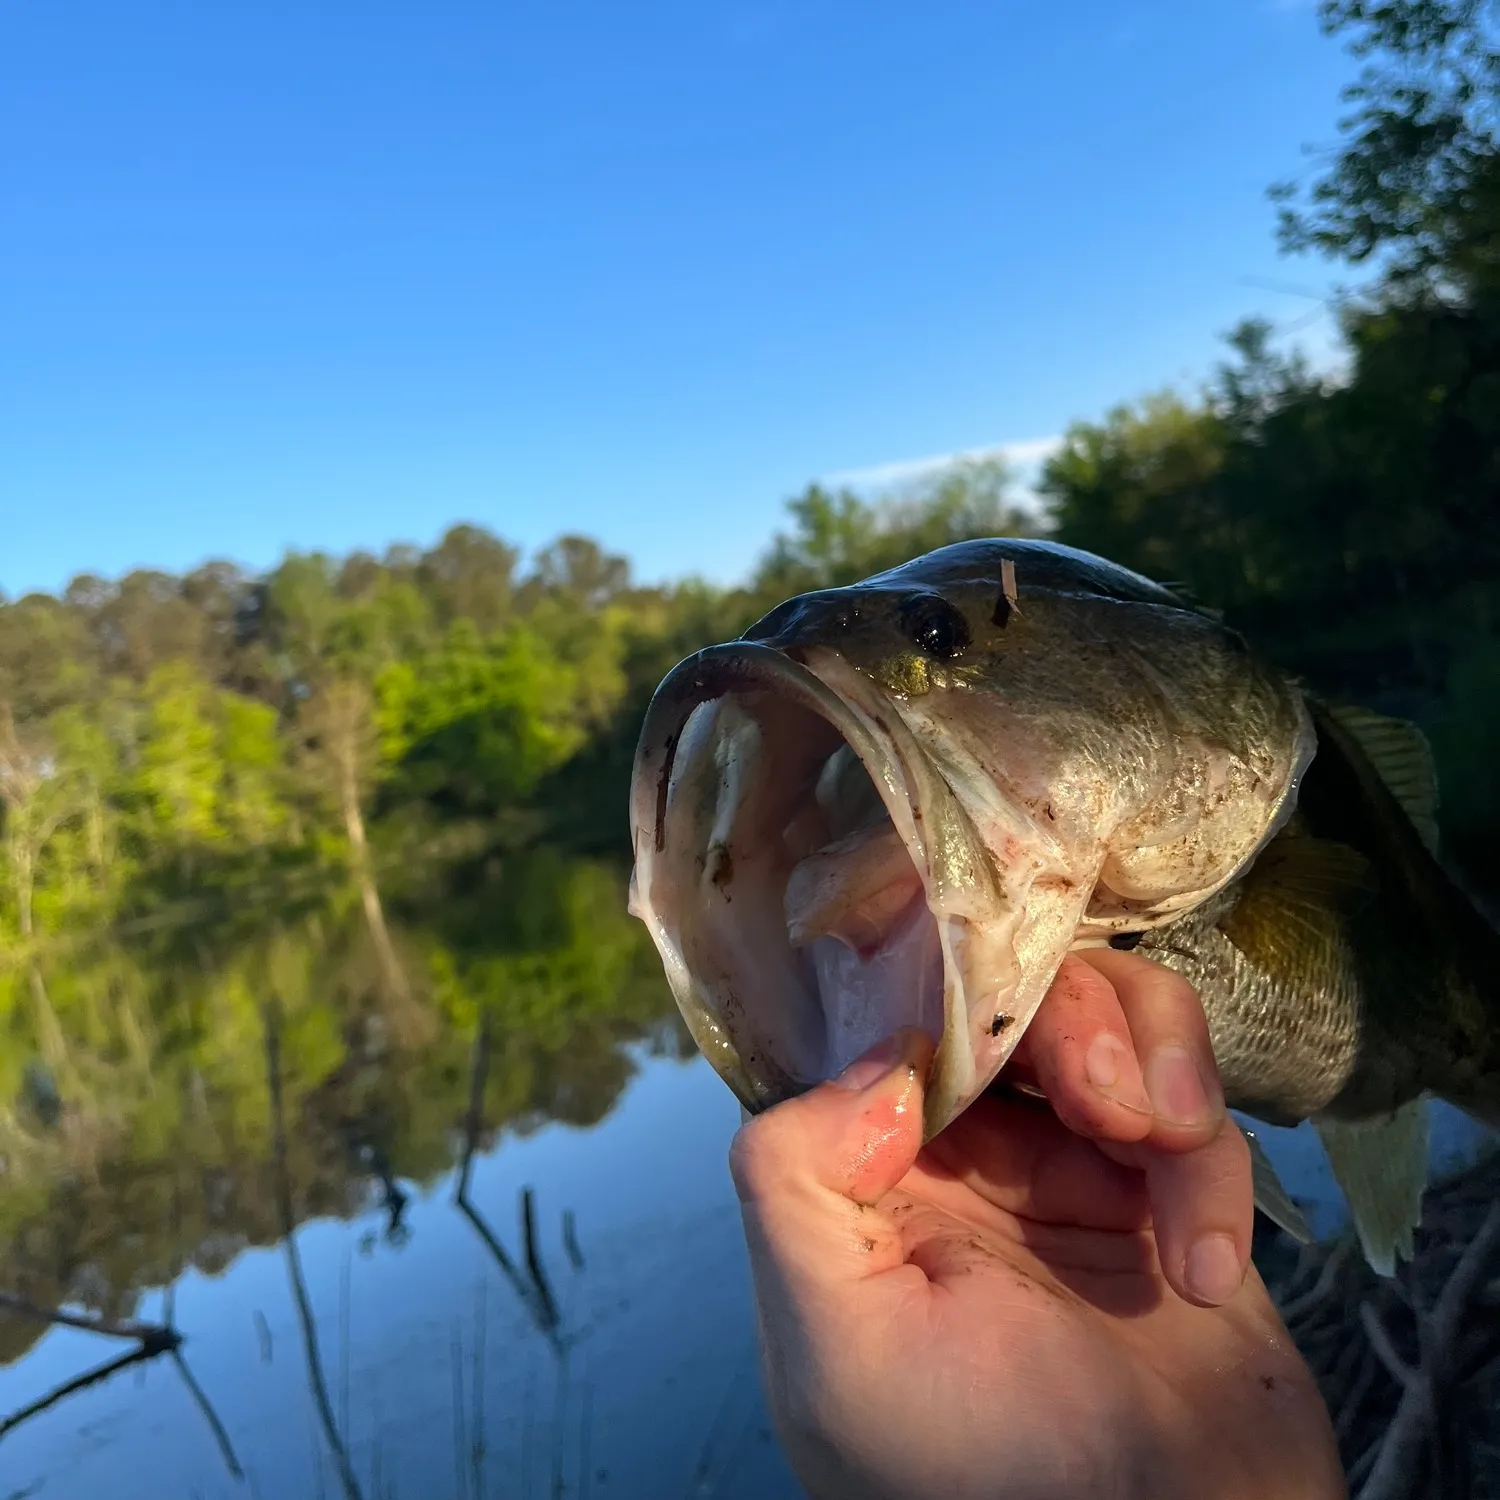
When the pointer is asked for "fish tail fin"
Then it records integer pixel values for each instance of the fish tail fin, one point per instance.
(1381, 1167)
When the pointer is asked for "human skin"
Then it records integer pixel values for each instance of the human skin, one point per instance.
(1049, 1300)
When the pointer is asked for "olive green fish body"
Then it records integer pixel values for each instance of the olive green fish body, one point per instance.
(1344, 974)
(904, 802)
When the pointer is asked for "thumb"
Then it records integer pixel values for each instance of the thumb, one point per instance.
(809, 1171)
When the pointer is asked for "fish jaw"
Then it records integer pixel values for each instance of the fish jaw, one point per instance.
(786, 969)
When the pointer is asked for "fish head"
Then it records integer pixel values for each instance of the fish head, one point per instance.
(901, 803)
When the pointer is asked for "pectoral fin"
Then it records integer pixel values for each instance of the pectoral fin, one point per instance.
(1291, 919)
(1381, 1166)
(1271, 1198)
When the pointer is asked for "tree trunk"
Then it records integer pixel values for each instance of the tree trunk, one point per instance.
(364, 878)
(25, 838)
(50, 1039)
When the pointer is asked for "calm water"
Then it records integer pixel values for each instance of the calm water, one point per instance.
(406, 1340)
(443, 1376)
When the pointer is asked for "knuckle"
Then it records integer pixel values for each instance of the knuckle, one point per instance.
(1171, 991)
(1236, 1151)
(1079, 983)
(1166, 1003)
(754, 1154)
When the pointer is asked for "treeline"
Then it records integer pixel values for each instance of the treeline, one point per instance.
(163, 738)
(354, 797)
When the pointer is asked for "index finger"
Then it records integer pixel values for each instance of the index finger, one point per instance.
(1122, 1052)
(1151, 1023)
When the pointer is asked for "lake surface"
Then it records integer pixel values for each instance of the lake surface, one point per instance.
(410, 1339)
(443, 1375)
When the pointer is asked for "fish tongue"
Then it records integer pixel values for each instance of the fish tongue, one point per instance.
(854, 889)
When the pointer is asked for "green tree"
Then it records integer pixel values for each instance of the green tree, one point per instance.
(837, 538)
(479, 722)
(470, 575)
(1145, 488)
(1416, 178)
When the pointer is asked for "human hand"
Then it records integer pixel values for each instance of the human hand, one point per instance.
(1024, 1310)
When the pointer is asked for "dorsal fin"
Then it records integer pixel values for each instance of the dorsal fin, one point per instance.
(1399, 754)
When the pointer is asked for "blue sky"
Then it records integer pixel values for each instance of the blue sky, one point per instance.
(334, 275)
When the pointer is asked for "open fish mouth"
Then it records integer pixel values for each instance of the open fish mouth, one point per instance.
(813, 882)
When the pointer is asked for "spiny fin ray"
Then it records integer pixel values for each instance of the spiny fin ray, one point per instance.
(1293, 911)
(1271, 1198)
(1399, 754)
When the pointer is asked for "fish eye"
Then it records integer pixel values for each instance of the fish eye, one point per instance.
(935, 626)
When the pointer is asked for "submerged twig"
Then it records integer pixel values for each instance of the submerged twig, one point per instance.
(570, 1240)
(474, 1118)
(479, 1447)
(200, 1398)
(1385, 1352)
(531, 1287)
(1400, 1446)
(1294, 1311)
(534, 1266)
(136, 1356)
(1409, 1366)
(294, 1271)
(1364, 1381)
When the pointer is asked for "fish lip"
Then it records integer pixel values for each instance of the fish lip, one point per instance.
(866, 725)
(713, 673)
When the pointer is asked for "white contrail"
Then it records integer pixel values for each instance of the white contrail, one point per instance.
(1022, 455)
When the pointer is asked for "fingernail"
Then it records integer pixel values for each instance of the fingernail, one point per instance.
(1110, 1067)
(1176, 1087)
(910, 1048)
(1212, 1271)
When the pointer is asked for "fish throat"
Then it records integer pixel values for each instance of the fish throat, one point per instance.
(810, 879)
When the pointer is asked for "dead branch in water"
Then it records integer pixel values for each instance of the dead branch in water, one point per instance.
(315, 1380)
(531, 1286)
(92, 1377)
(204, 1405)
(154, 1338)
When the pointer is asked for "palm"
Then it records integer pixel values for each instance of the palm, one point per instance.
(1045, 1299)
(991, 1315)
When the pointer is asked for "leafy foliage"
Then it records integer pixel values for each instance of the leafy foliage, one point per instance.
(1417, 175)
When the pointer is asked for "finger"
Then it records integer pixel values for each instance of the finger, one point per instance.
(1079, 1046)
(809, 1170)
(1197, 1171)
(1170, 1038)
(1203, 1209)
(1025, 1163)
(1022, 1161)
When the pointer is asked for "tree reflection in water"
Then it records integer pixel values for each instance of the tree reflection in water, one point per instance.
(185, 1158)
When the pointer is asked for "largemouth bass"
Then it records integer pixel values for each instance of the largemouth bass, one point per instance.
(904, 802)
